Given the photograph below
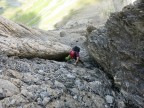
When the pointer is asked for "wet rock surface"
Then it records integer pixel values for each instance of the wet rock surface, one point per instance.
(118, 48)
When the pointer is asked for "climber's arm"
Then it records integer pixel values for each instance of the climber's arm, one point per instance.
(77, 60)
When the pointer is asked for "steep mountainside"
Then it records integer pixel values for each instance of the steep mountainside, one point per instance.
(112, 73)
(44, 14)
(95, 14)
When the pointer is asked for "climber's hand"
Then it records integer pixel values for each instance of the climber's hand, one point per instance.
(75, 63)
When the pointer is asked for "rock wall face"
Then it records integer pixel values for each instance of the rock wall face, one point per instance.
(39, 83)
(119, 49)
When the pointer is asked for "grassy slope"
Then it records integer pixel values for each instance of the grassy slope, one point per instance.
(42, 13)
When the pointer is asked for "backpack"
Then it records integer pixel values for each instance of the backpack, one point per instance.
(76, 49)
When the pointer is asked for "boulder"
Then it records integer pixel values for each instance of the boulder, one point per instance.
(18, 40)
(30, 48)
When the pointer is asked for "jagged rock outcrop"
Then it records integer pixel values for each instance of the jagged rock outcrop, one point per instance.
(18, 40)
(118, 48)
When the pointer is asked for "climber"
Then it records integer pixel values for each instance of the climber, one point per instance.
(74, 54)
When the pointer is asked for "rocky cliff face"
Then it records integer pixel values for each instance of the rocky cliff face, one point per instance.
(118, 48)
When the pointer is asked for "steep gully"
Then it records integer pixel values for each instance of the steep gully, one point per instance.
(40, 83)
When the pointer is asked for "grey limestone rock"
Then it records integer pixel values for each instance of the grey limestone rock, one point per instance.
(118, 49)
